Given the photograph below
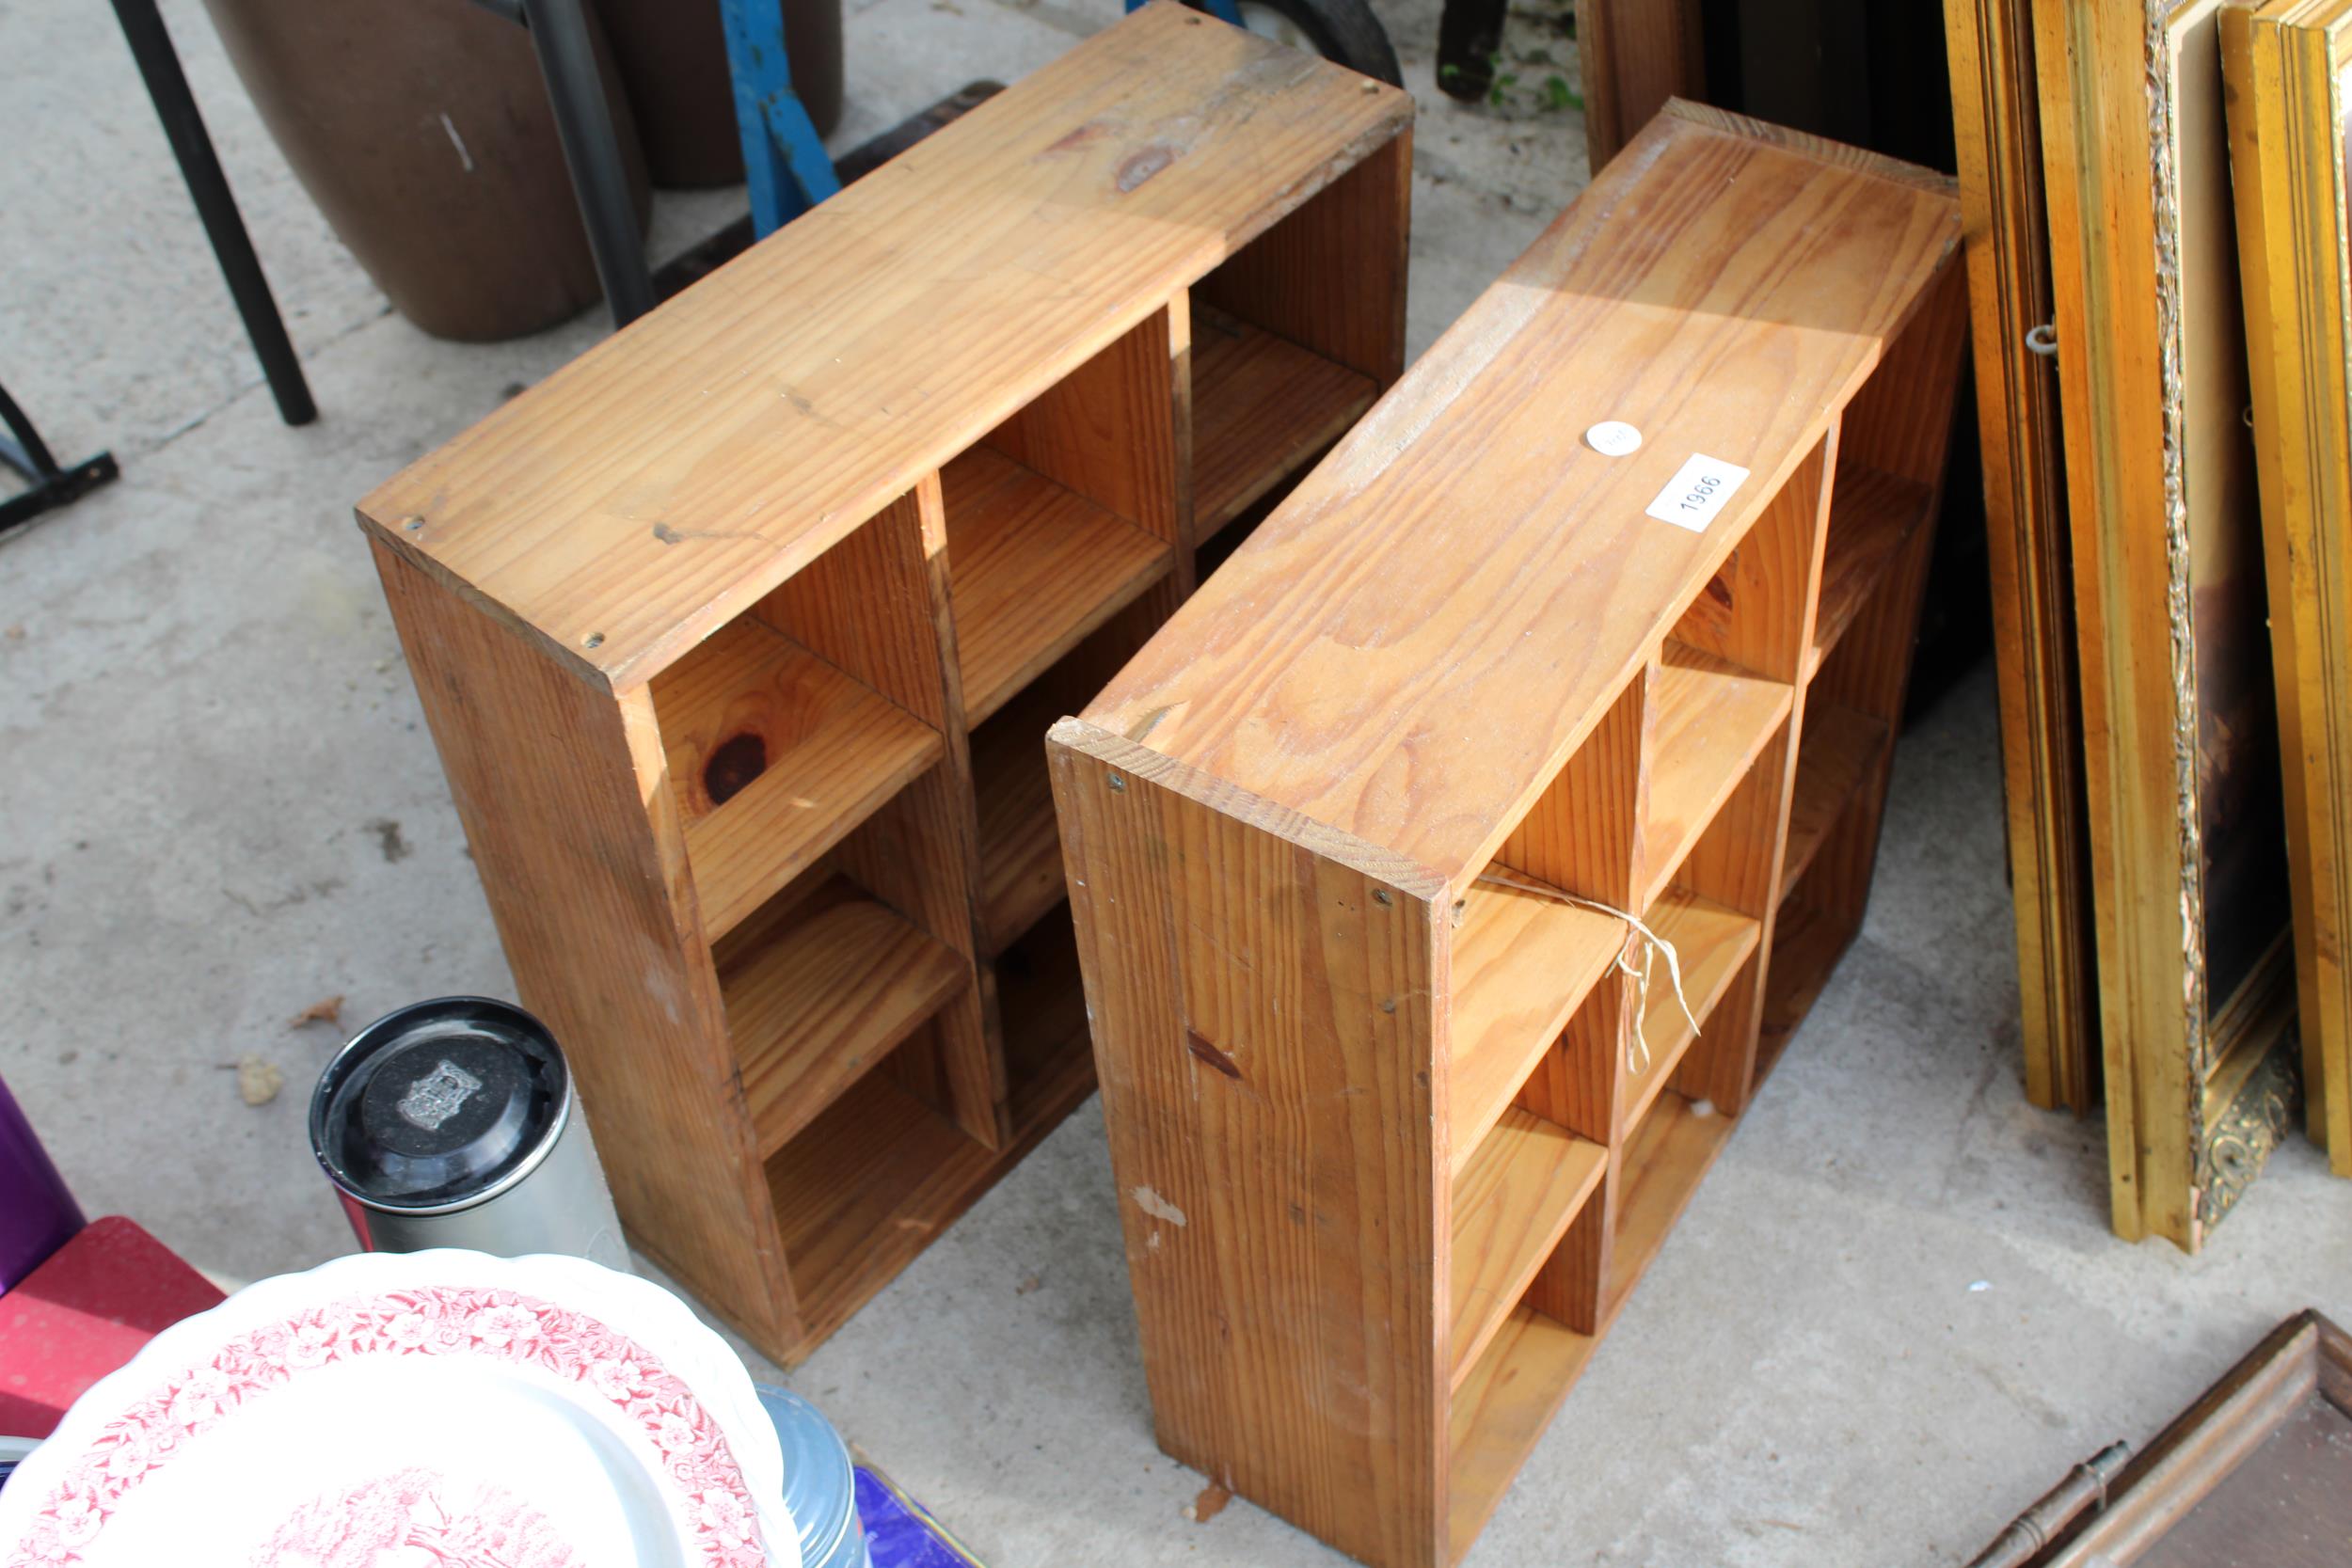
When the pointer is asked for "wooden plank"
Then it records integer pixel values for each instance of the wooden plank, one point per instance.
(1510, 1205)
(1508, 570)
(1521, 963)
(633, 501)
(1755, 611)
(1997, 128)
(1807, 941)
(773, 757)
(1661, 1169)
(1500, 1412)
(2284, 65)
(864, 1188)
(1034, 568)
(813, 1007)
(1838, 749)
(1291, 1307)
(1712, 943)
(1713, 720)
(2168, 594)
(1330, 277)
(1261, 409)
(617, 968)
(1021, 874)
(1633, 56)
(1871, 515)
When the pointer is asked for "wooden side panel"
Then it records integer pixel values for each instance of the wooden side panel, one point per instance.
(1583, 834)
(1737, 865)
(866, 607)
(1107, 430)
(616, 967)
(1756, 611)
(1997, 125)
(1331, 275)
(1634, 54)
(1264, 1030)
(2286, 110)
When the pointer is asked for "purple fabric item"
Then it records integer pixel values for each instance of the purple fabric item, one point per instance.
(896, 1536)
(36, 1214)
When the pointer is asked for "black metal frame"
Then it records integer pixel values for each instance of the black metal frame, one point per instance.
(184, 127)
(23, 450)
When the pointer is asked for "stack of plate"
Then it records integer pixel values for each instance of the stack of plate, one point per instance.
(419, 1410)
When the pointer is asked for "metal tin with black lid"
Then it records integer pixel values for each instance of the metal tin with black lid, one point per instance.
(453, 1123)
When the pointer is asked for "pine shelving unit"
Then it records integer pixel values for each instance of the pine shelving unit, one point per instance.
(740, 635)
(1396, 1128)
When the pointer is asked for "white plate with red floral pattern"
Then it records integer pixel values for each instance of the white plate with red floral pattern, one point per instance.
(427, 1410)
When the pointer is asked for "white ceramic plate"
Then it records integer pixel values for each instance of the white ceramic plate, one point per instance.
(422, 1410)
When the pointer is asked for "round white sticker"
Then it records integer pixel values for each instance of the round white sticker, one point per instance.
(1613, 438)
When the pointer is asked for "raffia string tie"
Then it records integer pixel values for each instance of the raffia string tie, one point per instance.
(1637, 934)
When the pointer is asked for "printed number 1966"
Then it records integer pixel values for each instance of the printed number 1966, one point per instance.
(1696, 493)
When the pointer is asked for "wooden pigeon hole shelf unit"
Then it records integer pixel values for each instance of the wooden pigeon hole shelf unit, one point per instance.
(1395, 1135)
(740, 635)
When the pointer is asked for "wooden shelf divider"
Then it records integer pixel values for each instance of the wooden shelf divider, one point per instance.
(1020, 847)
(775, 755)
(739, 635)
(1262, 406)
(1510, 1205)
(1710, 943)
(1872, 515)
(819, 1004)
(1358, 841)
(1713, 719)
(1036, 567)
(1840, 748)
(1523, 963)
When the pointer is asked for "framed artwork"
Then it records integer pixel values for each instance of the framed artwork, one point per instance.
(2180, 760)
(2288, 66)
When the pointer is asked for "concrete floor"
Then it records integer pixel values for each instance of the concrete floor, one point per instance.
(1891, 1318)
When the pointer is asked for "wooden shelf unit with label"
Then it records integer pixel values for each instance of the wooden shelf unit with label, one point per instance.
(1394, 1133)
(739, 635)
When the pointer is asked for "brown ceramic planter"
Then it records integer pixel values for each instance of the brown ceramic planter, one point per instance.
(673, 54)
(423, 131)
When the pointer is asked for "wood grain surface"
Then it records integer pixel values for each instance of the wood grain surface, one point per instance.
(2285, 66)
(1329, 668)
(642, 496)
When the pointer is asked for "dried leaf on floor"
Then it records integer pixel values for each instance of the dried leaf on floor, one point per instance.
(327, 1009)
(258, 1081)
(1208, 1504)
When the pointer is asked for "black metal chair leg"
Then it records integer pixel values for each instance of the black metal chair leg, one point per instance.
(168, 86)
(23, 450)
(592, 151)
(1469, 33)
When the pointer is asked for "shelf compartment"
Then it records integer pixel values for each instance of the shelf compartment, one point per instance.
(1712, 943)
(1501, 1410)
(1042, 1010)
(1663, 1162)
(1261, 408)
(1021, 876)
(1807, 941)
(1835, 753)
(1511, 1204)
(1871, 513)
(773, 757)
(1712, 720)
(816, 999)
(1522, 964)
(864, 1188)
(1032, 567)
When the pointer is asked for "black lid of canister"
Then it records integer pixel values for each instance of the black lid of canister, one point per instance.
(441, 1104)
